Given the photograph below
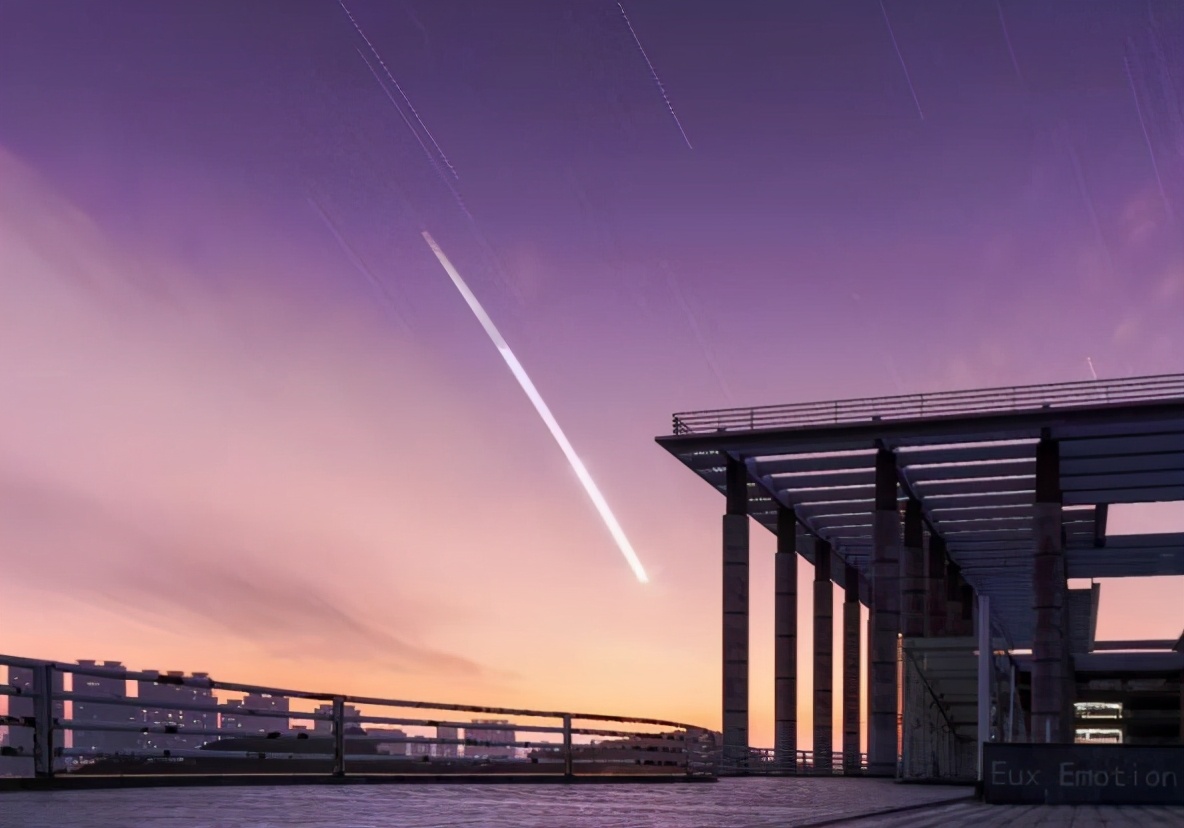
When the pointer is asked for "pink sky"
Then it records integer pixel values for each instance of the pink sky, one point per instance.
(270, 492)
(222, 449)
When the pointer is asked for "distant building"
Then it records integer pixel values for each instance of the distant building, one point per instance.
(396, 747)
(421, 746)
(447, 748)
(113, 687)
(246, 724)
(352, 717)
(163, 715)
(478, 740)
(20, 739)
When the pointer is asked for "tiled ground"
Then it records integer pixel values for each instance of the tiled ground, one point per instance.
(737, 803)
(977, 815)
(731, 803)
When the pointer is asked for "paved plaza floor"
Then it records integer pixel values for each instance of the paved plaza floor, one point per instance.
(729, 803)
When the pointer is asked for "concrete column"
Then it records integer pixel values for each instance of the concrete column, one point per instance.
(985, 670)
(1049, 640)
(882, 735)
(935, 588)
(912, 573)
(785, 647)
(823, 658)
(869, 635)
(735, 617)
(1181, 706)
(851, 637)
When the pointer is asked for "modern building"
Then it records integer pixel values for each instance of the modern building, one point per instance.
(492, 740)
(397, 746)
(156, 698)
(257, 713)
(352, 716)
(20, 739)
(447, 746)
(964, 524)
(91, 708)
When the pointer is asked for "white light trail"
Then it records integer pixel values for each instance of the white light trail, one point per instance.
(654, 75)
(908, 78)
(577, 465)
(391, 77)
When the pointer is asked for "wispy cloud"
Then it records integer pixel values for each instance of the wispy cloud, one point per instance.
(170, 578)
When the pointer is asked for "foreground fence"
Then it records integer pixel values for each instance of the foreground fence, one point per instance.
(87, 719)
(764, 762)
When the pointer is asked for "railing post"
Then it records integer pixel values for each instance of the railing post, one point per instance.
(43, 721)
(338, 736)
(568, 769)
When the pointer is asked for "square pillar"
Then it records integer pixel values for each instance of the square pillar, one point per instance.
(823, 658)
(912, 573)
(851, 644)
(1050, 637)
(735, 617)
(882, 731)
(985, 676)
(785, 647)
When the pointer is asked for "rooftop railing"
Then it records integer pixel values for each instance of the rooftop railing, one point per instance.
(72, 720)
(945, 403)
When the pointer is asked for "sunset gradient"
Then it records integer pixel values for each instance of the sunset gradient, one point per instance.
(247, 426)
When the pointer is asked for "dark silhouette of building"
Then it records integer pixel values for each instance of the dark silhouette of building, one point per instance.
(20, 739)
(325, 726)
(248, 724)
(396, 747)
(446, 748)
(86, 710)
(166, 716)
(489, 742)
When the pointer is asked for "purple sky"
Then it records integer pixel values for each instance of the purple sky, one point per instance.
(205, 396)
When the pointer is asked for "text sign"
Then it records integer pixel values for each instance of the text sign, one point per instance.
(1070, 774)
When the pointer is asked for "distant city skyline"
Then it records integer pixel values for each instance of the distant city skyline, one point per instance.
(155, 726)
(249, 427)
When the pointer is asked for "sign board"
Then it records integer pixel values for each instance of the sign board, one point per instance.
(1073, 774)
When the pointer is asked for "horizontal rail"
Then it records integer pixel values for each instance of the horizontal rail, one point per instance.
(944, 403)
(237, 687)
(114, 733)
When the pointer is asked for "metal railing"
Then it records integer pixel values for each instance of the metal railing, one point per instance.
(764, 762)
(945, 403)
(78, 719)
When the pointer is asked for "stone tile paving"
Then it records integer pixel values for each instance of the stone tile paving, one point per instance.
(735, 803)
(978, 815)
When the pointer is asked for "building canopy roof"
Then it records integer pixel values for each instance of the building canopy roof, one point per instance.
(969, 459)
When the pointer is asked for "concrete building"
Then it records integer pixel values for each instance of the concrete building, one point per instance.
(18, 738)
(446, 745)
(260, 719)
(92, 709)
(156, 712)
(397, 746)
(352, 720)
(957, 520)
(490, 740)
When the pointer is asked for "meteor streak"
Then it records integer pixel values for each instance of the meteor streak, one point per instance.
(900, 57)
(654, 75)
(544, 412)
(395, 83)
(356, 260)
(1167, 206)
